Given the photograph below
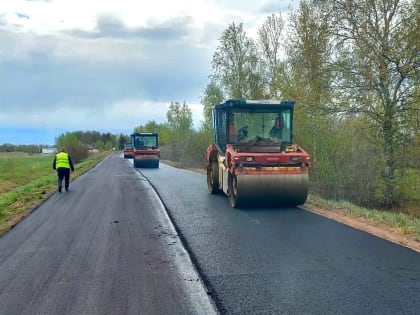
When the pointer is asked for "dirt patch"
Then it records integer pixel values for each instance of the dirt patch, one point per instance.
(380, 230)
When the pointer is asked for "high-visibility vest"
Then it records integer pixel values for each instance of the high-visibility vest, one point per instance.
(62, 160)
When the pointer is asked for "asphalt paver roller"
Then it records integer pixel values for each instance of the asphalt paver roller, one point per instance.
(146, 149)
(253, 159)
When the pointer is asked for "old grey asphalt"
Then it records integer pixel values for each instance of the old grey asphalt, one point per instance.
(105, 247)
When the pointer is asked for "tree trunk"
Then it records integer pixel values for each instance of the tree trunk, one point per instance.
(389, 145)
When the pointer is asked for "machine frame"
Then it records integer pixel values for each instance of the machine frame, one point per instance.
(146, 149)
(255, 164)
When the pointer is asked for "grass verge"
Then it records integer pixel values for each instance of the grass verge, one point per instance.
(17, 203)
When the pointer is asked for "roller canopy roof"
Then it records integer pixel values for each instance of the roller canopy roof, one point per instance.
(266, 104)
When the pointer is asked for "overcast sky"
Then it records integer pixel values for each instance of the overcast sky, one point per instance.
(109, 65)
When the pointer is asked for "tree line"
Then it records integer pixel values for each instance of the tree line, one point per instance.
(352, 66)
(77, 143)
(178, 140)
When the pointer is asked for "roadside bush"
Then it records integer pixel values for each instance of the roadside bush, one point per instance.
(188, 150)
(197, 144)
(77, 151)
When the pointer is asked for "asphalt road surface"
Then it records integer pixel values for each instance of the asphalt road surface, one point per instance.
(109, 247)
(105, 247)
(285, 260)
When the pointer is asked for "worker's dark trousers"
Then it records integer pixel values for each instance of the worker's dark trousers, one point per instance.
(63, 173)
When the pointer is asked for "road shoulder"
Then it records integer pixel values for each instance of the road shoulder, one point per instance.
(380, 230)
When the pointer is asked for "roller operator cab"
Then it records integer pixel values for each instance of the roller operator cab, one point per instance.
(128, 150)
(146, 149)
(253, 159)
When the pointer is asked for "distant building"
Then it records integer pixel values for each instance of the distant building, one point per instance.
(49, 150)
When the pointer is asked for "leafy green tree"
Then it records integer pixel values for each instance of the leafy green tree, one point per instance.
(195, 145)
(66, 139)
(99, 145)
(180, 124)
(109, 140)
(379, 43)
(307, 78)
(179, 118)
(122, 140)
(352, 66)
(309, 55)
(213, 95)
(164, 134)
(269, 39)
(8, 147)
(91, 137)
(152, 126)
(236, 64)
(88, 137)
(73, 145)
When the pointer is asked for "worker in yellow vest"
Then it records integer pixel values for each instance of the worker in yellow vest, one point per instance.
(63, 164)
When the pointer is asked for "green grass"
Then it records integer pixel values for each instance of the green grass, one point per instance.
(26, 180)
(19, 169)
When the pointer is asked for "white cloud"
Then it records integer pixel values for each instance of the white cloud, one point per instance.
(52, 16)
(136, 112)
(125, 114)
(111, 64)
(47, 17)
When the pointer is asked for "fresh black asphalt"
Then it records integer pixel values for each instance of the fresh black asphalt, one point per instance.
(286, 260)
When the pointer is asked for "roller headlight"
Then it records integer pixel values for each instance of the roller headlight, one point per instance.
(295, 159)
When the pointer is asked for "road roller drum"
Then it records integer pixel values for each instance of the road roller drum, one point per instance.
(253, 159)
